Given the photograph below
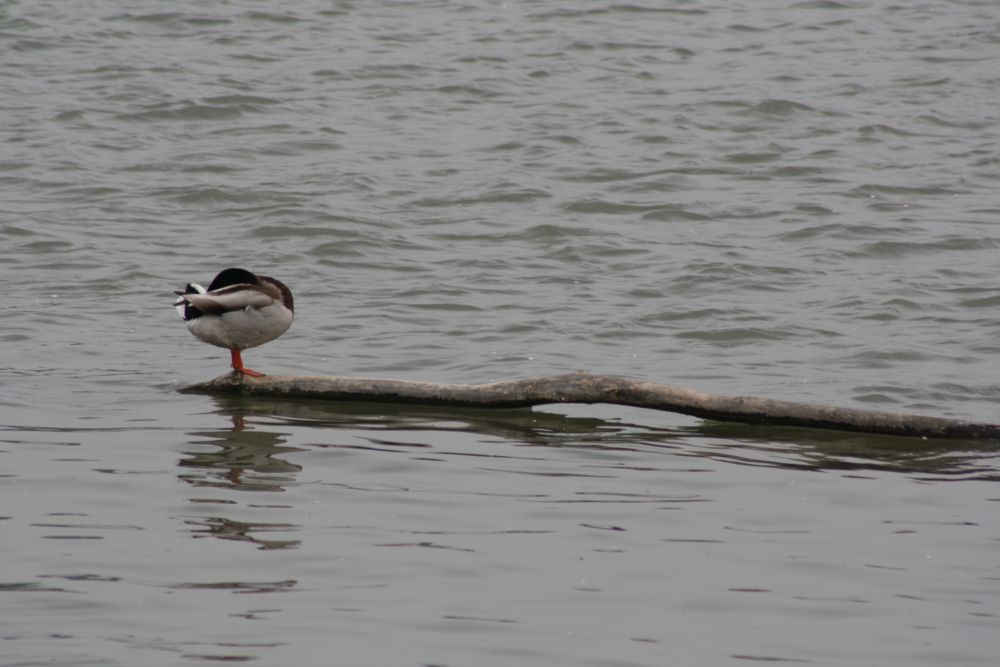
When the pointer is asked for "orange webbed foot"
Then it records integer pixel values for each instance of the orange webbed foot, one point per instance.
(239, 367)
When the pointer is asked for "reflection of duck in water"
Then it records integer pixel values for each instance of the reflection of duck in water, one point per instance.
(238, 310)
(241, 458)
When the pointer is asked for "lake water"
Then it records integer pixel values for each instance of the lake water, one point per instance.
(794, 200)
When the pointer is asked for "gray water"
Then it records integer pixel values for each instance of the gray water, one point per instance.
(794, 200)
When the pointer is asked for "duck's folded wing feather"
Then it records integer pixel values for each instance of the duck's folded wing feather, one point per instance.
(191, 288)
(227, 299)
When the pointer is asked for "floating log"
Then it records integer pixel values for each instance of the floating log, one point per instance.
(586, 388)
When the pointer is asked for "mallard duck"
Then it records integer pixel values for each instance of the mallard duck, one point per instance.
(238, 310)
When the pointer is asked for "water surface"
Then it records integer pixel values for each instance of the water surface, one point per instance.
(790, 200)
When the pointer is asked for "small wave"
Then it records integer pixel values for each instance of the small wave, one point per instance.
(955, 123)
(779, 108)
(569, 13)
(513, 196)
(221, 196)
(243, 101)
(751, 158)
(874, 189)
(272, 17)
(882, 129)
(188, 111)
(931, 247)
(991, 302)
(824, 4)
(658, 211)
(14, 230)
(734, 336)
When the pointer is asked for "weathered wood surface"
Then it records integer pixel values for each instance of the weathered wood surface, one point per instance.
(586, 388)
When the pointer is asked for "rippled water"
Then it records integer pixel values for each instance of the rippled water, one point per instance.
(794, 200)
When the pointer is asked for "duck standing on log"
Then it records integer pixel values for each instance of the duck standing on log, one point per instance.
(238, 310)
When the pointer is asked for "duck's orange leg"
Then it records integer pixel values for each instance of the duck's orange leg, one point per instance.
(238, 364)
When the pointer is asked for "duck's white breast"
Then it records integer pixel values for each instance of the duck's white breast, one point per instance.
(244, 328)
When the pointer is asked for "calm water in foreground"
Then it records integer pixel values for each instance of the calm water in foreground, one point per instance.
(795, 200)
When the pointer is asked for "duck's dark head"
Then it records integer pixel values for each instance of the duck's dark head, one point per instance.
(286, 294)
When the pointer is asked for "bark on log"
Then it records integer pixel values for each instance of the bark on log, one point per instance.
(586, 388)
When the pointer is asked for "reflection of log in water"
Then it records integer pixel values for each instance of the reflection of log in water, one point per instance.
(586, 388)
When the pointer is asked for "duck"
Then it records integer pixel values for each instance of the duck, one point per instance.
(239, 310)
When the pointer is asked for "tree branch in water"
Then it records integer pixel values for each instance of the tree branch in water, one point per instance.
(587, 388)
